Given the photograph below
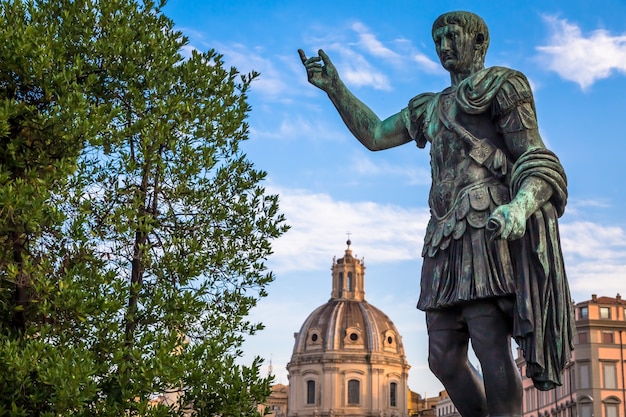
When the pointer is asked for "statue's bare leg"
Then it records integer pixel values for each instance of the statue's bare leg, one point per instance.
(448, 360)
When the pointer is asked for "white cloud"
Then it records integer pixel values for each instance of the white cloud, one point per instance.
(373, 45)
(187, 50)
(582, 59)
(588, 203)
(591, 241)
(296, 127)
(408, 53)
(428, 64)
(353, 67)
(363, 165)
(289, 129)
(578, 207)
(356, 70)
(271, 81)
(596, 278)
(386, 233)
(413, 55)
(595, 258)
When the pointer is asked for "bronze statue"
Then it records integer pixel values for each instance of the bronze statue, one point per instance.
(492, 262)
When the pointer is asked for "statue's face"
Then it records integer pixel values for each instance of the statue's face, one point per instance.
(455, 48)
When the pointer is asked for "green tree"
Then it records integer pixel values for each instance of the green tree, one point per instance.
(134, 229)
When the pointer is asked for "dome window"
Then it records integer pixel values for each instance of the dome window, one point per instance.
(314, 339)
(390, 341)
(353, 338)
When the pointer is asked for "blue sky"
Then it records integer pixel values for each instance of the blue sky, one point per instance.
(574, 54)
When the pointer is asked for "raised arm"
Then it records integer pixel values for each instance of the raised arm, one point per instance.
(365, 125)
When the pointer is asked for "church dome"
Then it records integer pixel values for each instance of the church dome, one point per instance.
(350, 326)
(348, 354)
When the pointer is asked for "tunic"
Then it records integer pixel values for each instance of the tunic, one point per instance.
(472, 173)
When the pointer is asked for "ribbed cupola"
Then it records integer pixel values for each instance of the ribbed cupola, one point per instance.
(348, 280)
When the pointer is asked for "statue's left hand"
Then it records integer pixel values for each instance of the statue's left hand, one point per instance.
(512, 221)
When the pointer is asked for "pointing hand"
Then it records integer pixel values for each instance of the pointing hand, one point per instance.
(320, 70)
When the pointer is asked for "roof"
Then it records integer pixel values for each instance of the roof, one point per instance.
(604, 300)
(348, 324)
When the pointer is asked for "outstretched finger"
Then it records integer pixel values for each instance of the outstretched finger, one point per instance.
(302, 56)
(308, 62)
(325, 58)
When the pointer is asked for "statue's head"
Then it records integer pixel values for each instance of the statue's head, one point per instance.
(472, 42)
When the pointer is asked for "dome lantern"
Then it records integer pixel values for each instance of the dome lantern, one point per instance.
(348, 273)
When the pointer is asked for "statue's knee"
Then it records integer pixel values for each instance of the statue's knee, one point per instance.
(439, 365)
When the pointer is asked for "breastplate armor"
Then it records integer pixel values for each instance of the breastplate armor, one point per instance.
(463, 191)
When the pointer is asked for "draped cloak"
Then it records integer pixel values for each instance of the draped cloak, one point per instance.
(542, 320)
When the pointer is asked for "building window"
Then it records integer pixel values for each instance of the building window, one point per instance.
(609, 375)
(393, 388)
(583, 372)
(583, 338)
(310, 392)
(354, 392)
(585, 410)
(340, 284)
(612, 410)
(528, 396)
(583, 312)
(350, 283)
(607, 337)
(605, 312)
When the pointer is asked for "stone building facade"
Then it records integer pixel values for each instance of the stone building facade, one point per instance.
(594, 381)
